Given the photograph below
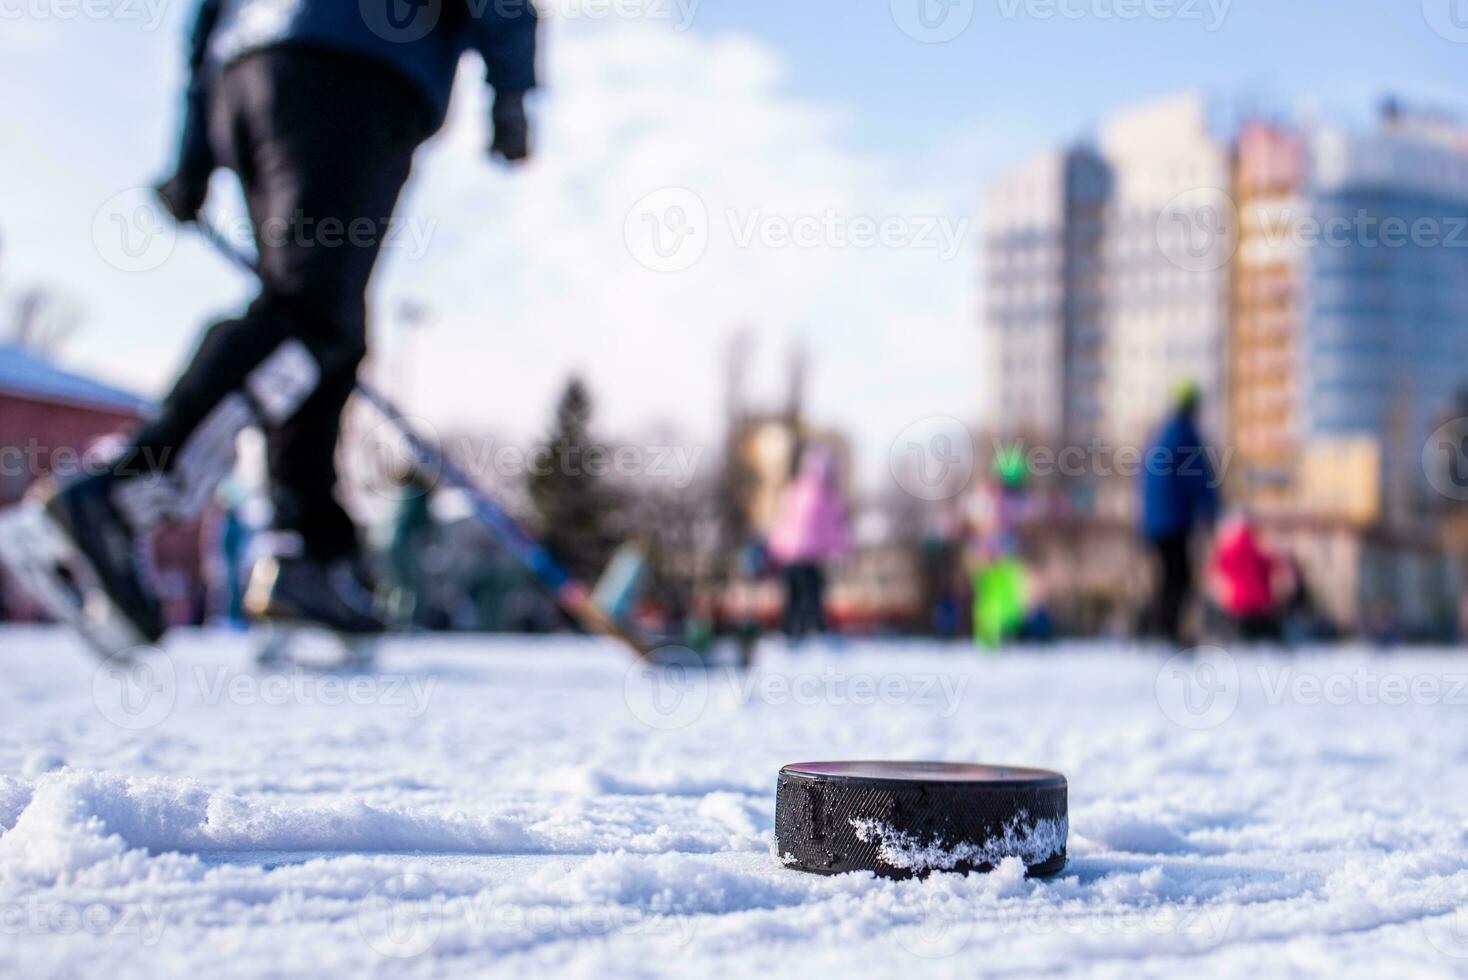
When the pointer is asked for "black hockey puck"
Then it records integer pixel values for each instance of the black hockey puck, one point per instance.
(901, 819)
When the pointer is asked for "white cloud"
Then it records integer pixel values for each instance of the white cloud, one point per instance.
(530, 274)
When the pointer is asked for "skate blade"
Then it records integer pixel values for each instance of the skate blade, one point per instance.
(306, 645)
(49, 568)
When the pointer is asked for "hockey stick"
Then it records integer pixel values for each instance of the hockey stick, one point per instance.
(568, 592)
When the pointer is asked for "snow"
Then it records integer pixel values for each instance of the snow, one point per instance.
(520, 806)
(1031, 843)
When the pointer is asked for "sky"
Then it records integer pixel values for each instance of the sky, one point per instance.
(808, 171)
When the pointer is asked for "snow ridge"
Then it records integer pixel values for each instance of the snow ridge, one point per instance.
(900, 849)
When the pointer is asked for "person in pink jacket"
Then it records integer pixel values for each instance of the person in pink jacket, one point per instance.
(809, 531)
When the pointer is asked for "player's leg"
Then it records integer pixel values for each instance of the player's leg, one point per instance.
(1175, 587)
(325, 187)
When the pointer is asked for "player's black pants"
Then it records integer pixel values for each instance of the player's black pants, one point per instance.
(805, 599)
(322, 144)
(1174, 586)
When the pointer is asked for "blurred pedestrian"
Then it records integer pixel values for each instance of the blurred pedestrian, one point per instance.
(227, 556)
(412, 530)
(810, 531)
(1001, 579)
(1247, 581)
(1179, 493)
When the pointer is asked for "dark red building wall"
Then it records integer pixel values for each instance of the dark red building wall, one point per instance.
(38, 438)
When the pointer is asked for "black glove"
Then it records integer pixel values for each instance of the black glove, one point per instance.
(183, 195)
(511, 141)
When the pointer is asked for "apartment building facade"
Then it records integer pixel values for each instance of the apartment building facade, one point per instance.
(1311, 281)
(1106, 278)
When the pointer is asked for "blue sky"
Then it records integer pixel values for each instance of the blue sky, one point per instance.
(763, 109)
(1040, 76)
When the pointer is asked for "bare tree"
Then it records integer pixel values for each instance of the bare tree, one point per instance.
(42, 320)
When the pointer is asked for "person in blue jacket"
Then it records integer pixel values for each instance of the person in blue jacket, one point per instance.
(317, 106)
(1179, 494)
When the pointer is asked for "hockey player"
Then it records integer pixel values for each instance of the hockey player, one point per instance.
(317, 106)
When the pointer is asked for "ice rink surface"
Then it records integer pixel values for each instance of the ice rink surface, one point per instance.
(523, 806)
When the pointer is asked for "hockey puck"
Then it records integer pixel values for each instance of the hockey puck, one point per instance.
(901, 819)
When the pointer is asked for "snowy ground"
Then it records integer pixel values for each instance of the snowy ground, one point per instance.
(513, 805)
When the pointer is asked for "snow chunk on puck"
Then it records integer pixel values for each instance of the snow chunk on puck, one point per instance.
(901, 819)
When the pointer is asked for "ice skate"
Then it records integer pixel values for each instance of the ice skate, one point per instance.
(75, 556)
(312, 613)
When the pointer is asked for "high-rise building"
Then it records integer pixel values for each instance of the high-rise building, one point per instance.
(1383, 351)
(1313, 283)
(1165, 258)
(1263, 365)
(1100, 299)
(1024, 295)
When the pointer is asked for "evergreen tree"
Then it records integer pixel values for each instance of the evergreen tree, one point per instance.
(576, 506)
